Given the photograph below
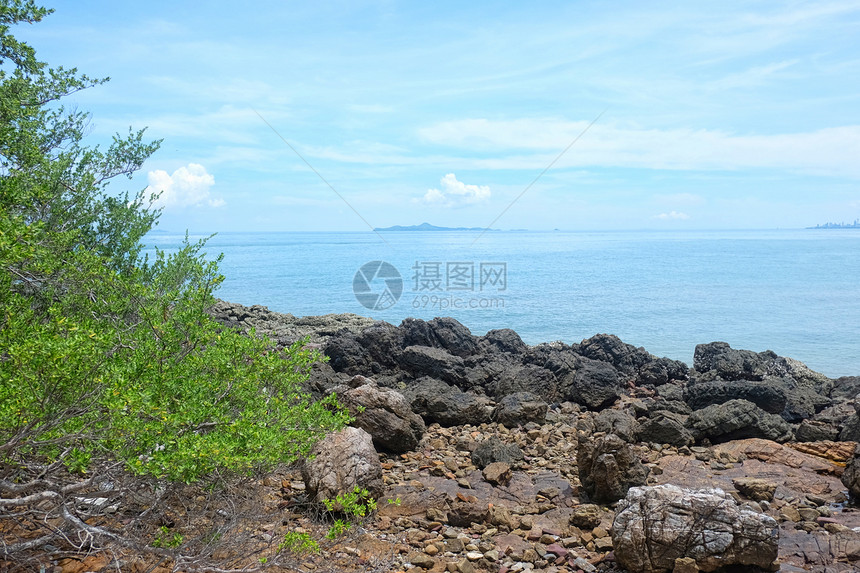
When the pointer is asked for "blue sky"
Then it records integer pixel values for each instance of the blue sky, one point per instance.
(714, 115)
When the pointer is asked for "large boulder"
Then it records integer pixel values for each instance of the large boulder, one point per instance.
(519, 409)
(735, 420)
(665, 427)
(434, 362)
(504, 340)
(608, 467)
(592, 384)
(815, 431)
(769, 397)
(846, 387)
(383, 413)
(618, 422)
(446, 333)
(851, 431)
(447, 405)
(508, 378)
(655, 526)
(633, 363)
(340, 462)
(851, 476)
(371, 351)
(806, 391)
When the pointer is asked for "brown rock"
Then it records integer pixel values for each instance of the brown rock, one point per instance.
(586, 516)
(497, 473)
(755, 489)
(685, 565)
(342, 461)
(839, 452)
(464, 511)
(421, 560)
(790, 513)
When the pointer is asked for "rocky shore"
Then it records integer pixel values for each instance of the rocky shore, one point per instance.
(576, 457)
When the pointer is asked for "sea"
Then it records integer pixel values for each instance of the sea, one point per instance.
(795, 291)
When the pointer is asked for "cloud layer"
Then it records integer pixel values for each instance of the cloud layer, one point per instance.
(188, 186)
(455, 193)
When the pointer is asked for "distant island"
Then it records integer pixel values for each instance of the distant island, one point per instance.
(429, 227)
(854, 225)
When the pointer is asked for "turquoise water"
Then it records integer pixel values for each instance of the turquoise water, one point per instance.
(792, 291)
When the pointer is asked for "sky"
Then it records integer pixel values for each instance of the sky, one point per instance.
(343, 116)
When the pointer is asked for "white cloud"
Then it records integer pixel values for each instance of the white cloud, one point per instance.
(187, 186)
(456, 193)
(672, 216)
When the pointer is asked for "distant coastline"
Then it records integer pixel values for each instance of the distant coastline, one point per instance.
(854, 225)
(429, 227)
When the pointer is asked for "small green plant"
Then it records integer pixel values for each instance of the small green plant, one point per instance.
(77, 461)
(165, 540)
(298, 543)
(354, 505)
(338, 528)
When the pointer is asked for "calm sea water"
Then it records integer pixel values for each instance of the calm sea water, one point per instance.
(796, 292)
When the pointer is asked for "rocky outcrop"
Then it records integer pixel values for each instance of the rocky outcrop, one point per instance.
(436, 401)
(767, 396)
(617, 422)
(768, 378)
(285, 328)
(665, 427)
(340, 462)
(655, 526)
(737, 419)
(383, 413)
(519, 409)
(633, 363)
(608, 467)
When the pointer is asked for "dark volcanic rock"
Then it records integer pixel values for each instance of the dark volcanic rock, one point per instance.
(383, 413)
(609, 348)
(519, 409)
(593, 384)
(719, 360)
(505, 340)
(372, 351)
(608, 467)
(814, 431)
(494, 450)
(632, 362)
(433, 362)
(731, 364)
(436, 401)
(851, 431)
(851, 476)
(769, 397)
(512, 378)
(725, 369)
(737, 419)
(665, 427)
(446, 333)
(617, 422)
(846, 387)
